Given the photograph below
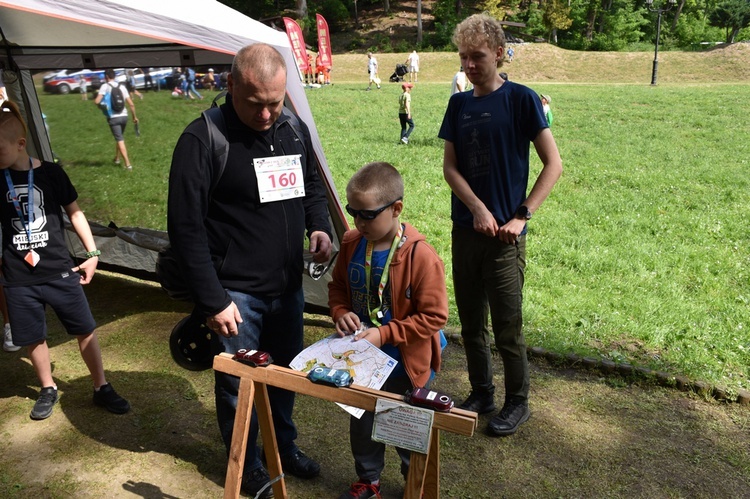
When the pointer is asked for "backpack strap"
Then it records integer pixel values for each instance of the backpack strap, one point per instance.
(217, 142)
(219, 96)
(296, 126)
(219, 145)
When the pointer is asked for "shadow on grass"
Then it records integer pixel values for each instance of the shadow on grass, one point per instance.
(146, 490)
(589, 435)
(113, 298)
(166, 417)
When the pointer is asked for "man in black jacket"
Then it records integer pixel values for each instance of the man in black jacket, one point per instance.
(240, 240)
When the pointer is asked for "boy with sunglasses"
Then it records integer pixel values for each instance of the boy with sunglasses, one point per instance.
(388, 288)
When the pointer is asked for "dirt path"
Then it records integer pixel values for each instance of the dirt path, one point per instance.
(588, 436)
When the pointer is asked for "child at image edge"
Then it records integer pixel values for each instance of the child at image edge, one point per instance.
(392, 282)
(41, 273)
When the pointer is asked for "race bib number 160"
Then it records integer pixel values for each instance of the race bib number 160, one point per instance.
(279, 178)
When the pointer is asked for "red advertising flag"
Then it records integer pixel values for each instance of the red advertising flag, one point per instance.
(324, 42)
(294, 33)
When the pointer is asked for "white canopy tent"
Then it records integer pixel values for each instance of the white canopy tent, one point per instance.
(97, 34)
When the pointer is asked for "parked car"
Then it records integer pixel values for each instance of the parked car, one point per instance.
(64, 82)
(158, 77)
(51, 75)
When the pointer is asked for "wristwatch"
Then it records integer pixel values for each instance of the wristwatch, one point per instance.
(523, 212)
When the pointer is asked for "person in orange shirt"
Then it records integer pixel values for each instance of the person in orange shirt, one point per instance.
(320, 70)
(388, 287)
(309, 75)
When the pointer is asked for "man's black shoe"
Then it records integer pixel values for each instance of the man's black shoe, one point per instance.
(299, 465)
(255, 480)
(510, 417)
(479, 402)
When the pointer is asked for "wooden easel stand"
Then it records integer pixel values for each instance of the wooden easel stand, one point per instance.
(424, 469)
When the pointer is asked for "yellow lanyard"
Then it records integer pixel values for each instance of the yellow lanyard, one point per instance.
(376, 314)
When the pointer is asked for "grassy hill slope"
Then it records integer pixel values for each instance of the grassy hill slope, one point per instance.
(548, 63)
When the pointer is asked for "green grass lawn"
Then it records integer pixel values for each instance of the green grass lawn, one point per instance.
(640, 254)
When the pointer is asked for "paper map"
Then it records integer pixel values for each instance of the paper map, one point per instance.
(368, 364)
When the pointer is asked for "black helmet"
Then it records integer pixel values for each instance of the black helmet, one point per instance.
(190, 344)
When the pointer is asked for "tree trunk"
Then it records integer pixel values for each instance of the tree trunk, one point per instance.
(606, 8)
(301, 8)
(419, 22)
(677, 14)
(386, 6)
(591, 17)
(733, 35)
(591, 21)
(459, 7)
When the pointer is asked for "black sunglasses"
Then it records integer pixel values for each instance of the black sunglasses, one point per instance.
(369, 214)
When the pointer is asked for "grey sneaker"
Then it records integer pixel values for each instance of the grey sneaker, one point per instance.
(8, 345)
(45, 403)
(510, 417)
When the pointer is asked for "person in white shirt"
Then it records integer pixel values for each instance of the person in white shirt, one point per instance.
(460, 83)
(413, 63)
(372, 71)
(3, 91)
(117, 119)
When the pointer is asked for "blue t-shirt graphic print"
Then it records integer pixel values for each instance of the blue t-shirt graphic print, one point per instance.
(359, 287)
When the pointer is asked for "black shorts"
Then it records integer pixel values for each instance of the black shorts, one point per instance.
(27, 306)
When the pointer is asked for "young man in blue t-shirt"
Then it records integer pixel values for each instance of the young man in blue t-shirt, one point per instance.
(487, 136)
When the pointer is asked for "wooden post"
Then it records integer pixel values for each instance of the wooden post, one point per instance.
(424, 469)
(270, 447)
(237, 451)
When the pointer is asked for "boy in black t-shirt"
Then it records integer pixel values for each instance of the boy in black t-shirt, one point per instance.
(37, 269)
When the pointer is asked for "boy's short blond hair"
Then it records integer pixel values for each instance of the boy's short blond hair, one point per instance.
(475, 30)
(380, 179)
(12, 125)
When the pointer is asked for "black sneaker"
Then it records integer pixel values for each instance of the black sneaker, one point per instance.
(107, 397)
(255, 480)
(299, 465)
(510, 417)
(479, 402)
(45, 403)
(362, 490)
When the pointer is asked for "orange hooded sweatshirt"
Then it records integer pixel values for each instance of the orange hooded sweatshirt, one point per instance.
(419, 300)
